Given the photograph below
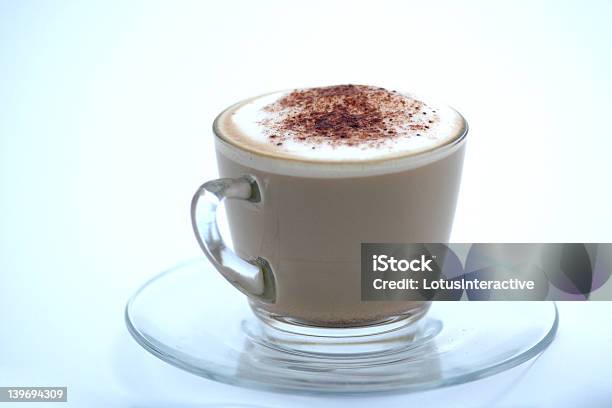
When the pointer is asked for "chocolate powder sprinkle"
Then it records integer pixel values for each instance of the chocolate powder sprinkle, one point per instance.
(343, 115)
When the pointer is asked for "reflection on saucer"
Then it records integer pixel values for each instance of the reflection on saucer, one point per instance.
(407, 354)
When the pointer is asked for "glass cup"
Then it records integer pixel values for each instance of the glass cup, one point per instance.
(297, 228)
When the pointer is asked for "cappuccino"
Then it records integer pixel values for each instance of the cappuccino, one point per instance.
(336, 167)
(339, 124)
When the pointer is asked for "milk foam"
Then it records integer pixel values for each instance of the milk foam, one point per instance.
(245, 126)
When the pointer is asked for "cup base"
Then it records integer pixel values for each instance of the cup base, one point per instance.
(192, 318)
(386, 337)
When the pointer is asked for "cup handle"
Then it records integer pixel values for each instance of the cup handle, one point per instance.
(252, 277)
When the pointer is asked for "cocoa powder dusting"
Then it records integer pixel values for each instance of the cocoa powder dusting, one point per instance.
(345, 115)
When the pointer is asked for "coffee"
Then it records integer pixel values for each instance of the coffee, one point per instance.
(336, 167)
(339, 124)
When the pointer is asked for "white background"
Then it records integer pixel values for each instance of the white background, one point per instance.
(105, 114)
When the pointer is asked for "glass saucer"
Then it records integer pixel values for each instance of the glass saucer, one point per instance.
(190, 317)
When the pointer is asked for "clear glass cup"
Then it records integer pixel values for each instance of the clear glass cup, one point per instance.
(297, 227)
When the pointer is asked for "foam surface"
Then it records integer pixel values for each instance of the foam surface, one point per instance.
(254, 126)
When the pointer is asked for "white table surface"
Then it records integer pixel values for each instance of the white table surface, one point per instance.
(105, 113)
